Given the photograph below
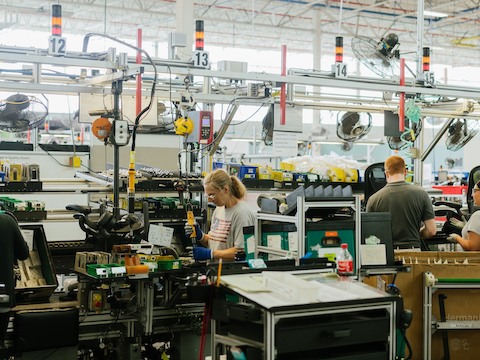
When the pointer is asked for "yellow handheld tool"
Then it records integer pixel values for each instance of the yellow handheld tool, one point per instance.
(191, 221)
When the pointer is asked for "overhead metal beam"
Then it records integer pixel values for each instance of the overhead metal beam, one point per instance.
(223, 129)
(436, 139)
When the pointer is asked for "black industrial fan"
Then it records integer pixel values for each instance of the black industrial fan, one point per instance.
(382, 57)
(347, 146)
(267, 127)
(460, 132)
(20, 113)
(407, 138)
(352, 126)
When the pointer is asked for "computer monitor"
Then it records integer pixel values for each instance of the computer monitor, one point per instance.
(376, 243)
(375, 179)
(442, 176)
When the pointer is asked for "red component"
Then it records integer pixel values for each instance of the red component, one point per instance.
(199, 35)
(283, 91)
(339, 49)
(57, 20)
(401, 105)
(426, 59)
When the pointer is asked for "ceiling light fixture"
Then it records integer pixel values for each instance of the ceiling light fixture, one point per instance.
(435, 14)
(334, 141)
(241, 139)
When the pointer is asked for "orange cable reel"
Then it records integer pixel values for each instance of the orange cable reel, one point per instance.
(101, 128)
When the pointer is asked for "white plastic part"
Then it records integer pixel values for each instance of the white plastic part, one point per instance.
(121, 132)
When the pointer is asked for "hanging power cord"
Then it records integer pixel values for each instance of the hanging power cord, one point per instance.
(72, 131)
(205, 149)
(403, 320)
(413, 114)
(144, 111)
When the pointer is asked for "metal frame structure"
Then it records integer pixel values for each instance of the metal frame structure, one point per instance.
(303, 205)
(276, 21)
(38, 82)
(148, 319)
(270, 318)
(117, 67)
(170, 90)
(430, 286)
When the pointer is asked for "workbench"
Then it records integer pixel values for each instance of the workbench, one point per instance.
(299, 315)
(125, 328)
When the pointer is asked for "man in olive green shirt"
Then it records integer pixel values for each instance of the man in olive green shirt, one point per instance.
(410, 206)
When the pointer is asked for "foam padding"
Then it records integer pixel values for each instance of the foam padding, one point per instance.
(38, 330)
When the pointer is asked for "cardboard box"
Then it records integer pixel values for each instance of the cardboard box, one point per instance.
(37, 280)
(461, 304)
(84, 258)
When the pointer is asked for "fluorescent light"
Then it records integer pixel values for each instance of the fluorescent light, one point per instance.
(353, 143)
(241, 139)
(435, 14)
(336, 141)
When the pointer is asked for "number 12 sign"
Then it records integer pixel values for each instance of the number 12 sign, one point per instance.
(57, 45)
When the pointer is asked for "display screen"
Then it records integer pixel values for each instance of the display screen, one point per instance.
(206, 121)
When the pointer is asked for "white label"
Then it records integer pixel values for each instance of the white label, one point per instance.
(429, 77)
(160, 235)
(274, 241)
(57, 45)
(250, 245)
(373, 254)
(200, 58)
(285, 143)
(293, 241)
(340, 70)
(28, 237)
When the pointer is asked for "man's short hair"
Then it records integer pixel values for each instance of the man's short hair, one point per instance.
(395, 165)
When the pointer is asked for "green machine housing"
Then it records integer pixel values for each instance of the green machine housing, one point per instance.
(323, 238)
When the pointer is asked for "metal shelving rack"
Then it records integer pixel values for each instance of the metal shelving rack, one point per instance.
(430, 286)
(303, 205)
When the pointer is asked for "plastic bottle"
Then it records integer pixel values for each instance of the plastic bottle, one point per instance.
(344, 261)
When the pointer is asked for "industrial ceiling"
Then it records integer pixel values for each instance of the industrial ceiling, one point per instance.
(268, 24)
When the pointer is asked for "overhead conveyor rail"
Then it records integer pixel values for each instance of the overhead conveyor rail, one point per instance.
(74, 83)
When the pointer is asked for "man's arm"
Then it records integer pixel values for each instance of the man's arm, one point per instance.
(429, 229)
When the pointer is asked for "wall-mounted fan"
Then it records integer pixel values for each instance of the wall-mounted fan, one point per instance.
(352, 126)
(449, 162)
(382, 57)
(267, 127)
(407, 138)
(460, 132)
(21, 113)
(347, 146)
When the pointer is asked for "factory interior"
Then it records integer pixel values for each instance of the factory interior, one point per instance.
(119, 117)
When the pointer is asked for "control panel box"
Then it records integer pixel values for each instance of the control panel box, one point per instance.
(202, 127)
